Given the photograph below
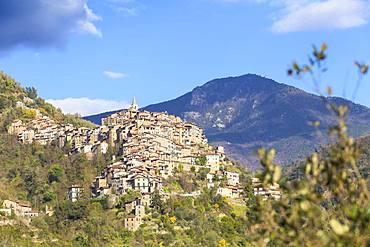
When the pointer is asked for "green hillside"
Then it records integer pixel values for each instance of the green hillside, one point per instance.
(328, 206)
(17, 102)
(42, 174)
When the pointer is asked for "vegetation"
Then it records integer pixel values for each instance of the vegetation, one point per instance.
(328, 205)
(21, 103)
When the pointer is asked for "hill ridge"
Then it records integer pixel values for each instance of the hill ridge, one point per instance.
(246, 112)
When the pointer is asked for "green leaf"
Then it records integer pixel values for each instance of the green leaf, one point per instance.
(338, 228)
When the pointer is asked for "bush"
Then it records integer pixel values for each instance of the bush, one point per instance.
(71, 211)
(55, 173)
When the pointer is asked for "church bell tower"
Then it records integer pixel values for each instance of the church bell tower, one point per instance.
(134, 106)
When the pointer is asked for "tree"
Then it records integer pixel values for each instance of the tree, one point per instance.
(82, 240)
(181, 168)
(31, 92)
(201, 161)
(157, 203)
(55, 173)
(128, 197)
(202, 174)
(71, 211)
(329, 205)
(48, 196)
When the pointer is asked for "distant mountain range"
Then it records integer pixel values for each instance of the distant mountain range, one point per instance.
(247, 112)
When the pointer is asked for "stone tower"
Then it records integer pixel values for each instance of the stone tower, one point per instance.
(134, 106)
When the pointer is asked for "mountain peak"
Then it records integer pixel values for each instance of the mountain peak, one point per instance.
(249, 111)
(247, 79)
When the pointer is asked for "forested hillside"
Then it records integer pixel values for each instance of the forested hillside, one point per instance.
(42, 174)
(364, 161)
(329, 205)
(17, 102)
(36, 173)
(297, 169)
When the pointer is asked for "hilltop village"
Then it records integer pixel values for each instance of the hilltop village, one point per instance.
(151, 148)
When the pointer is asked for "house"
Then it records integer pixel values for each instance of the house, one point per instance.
(16, 127)
(27, 136)
(74, 193)
(136, 211)
(225, 192)
(213, 162)
(213, 159)
(146, 199)
(270, 192)
(131, 205)
(145, 183)
(103, 147)
(20, 208)
(220, 150)
(229, 191)
(210, 183)
(10, 204)
(133, 222)
(49, 211)
(232, 178)
(31, 214)
(100, 186)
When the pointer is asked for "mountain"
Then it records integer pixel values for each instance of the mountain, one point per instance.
(96, 119)
(247, 112)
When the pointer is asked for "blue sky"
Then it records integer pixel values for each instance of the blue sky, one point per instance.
(92, 56)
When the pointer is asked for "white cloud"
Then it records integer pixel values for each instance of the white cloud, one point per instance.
(313, 15)
(128, 11)
(114, 75)
(303, 15)
(88, 25)
(86, 106)
(42, 23)
(126, 8)
(90, 28)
